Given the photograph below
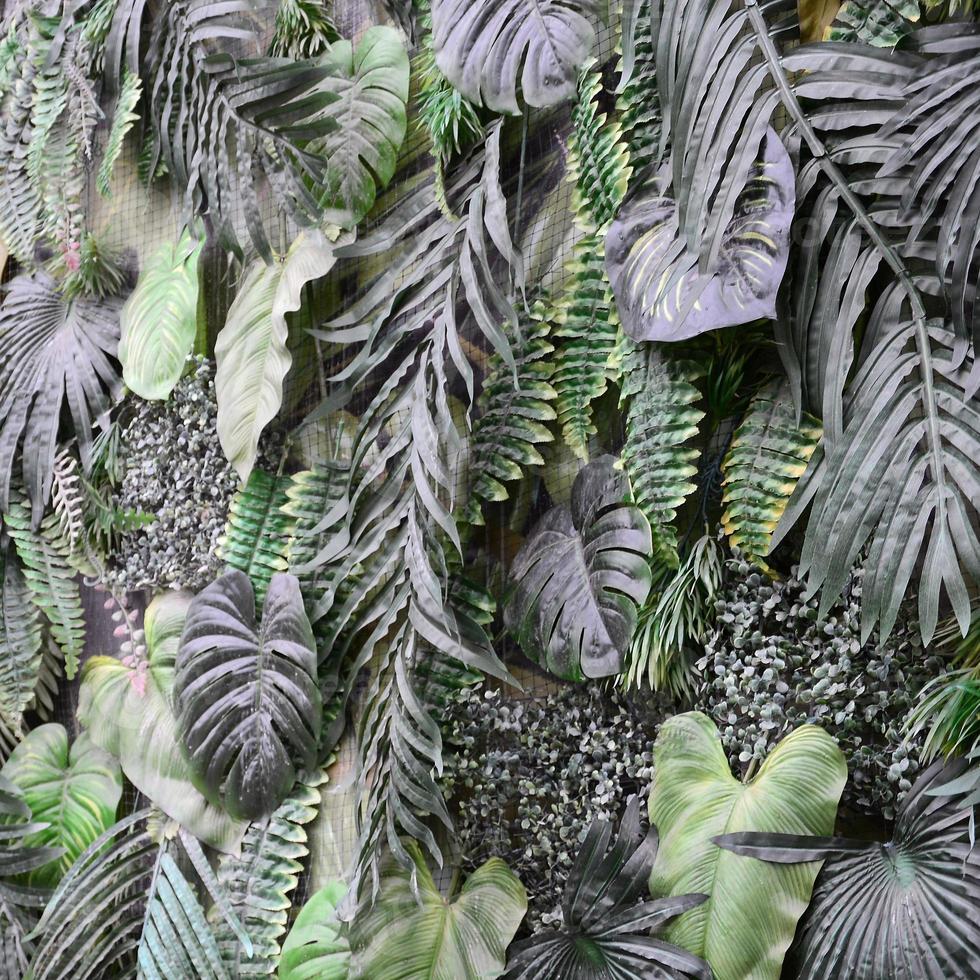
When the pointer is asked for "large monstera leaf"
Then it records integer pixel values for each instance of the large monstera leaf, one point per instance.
(489, 49)
(126, 709)
(51, 351)
(251, 353)
(73, 791)
(663, 292)
(368, 86)
(580, 577)
(747, 925)
(907, 909)
(413, 931)
(159, 320)
(246, 695)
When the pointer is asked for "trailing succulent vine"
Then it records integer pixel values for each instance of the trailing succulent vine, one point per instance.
(489, 489)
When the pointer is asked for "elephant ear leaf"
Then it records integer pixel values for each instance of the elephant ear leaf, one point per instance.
(316, 948)
(246, 695)
(73, 791)
(662, 290)
(251, 353)
(908, 909)
(413, 931)
(159, 321)
(748, 924)
(487, 49)
(368, 90)
(580, 578)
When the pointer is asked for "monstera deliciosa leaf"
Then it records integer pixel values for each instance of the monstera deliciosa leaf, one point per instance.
(489, 49)
(368, 87)
(126, 709)
(606, 931)
(748, 924)
(159, 320)
(413, 931)
(580, 577)
(907, 909)
(246, 695)
(251, 353)
(75, 791)
(316, 948)
(662, 290)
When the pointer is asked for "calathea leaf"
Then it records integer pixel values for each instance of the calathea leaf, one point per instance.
(368, 86)
(746, 928)
(412, 930)
(662, 292)
(580, 576)
(75, 791)
(246, 697)
(316, 948)
(906, 909)
(251, 355)
(159, 321)
(489, 49)
(127, 710)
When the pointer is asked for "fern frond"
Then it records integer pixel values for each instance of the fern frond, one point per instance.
(68, 501)
(661, 419)
(598, 161)
(586, 325)
(258, 531)
(514, 416)
(638, 100)
(20, 643)
(46, 562)
(768, 455)
(258, 883)
(123, 120)
(50, 674)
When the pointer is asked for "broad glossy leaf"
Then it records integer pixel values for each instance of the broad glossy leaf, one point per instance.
(75, 791)
(580, 576)
(252, 359)
(246, 694)
(662, 291)
(490, 50)
(159, 321)
(906, 909)
(368, 89)
(127, 711)
(413, 931)
(748, 924)
(315, 948)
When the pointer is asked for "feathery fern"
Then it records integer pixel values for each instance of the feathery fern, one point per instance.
(123, 120)
(638, 101)
(768, 455)
(661, 418)
(20, 643)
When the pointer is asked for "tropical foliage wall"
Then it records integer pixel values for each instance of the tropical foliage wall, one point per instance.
(489, 488)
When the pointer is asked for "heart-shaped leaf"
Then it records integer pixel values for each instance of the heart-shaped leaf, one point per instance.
(580, 577)
(748, 922)
(315, 948)
(246, 695)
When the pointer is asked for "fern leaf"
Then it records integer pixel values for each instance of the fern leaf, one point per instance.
(514, 417)
(20, 644)
(258, 883)
(123, 120)
(46, 563)
(598, 161)
(768, 455)
(638, 102)
(661, 419)
(586, 323)
(258, 530)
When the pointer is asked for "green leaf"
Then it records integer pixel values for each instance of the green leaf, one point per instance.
(316, 949)
(75, 792)
(247, 702)
(580, 577)
(368, 90)
(20, 642)
(123, 118)
(412, 931)
(251, 354)
(748, 924)
(127, 711)
(159, 321)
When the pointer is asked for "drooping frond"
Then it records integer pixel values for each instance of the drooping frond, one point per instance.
(123, 119)
(638, 100)
(662, 417)
(20, 642)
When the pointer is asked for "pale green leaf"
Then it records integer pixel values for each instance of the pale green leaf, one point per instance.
(315, 949)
